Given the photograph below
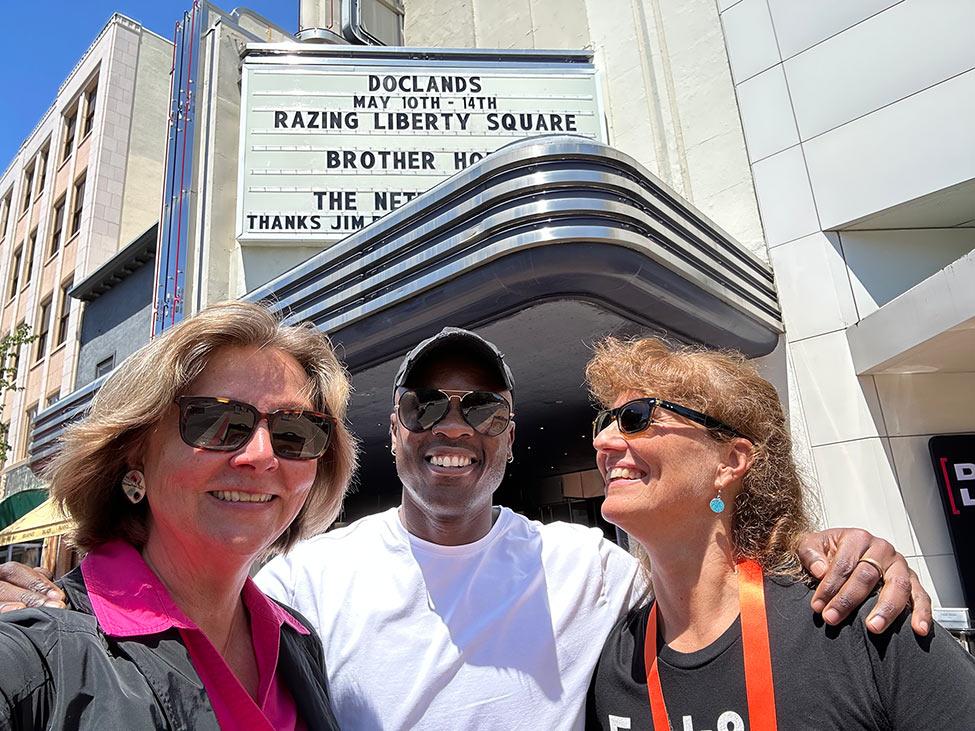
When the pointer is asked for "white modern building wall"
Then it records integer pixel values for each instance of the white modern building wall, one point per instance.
(85, 182)
(858, 123)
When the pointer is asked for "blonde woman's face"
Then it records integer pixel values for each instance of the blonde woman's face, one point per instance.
(241, 501)
(662, 478)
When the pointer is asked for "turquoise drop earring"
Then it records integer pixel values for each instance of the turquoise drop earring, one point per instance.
(717, 504)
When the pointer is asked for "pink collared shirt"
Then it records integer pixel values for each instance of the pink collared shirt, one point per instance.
(128, 600)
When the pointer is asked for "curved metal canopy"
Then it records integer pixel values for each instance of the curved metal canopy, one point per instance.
(543, 219)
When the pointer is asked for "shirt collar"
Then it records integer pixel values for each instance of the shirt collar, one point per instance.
(128, 599)
(258, 604)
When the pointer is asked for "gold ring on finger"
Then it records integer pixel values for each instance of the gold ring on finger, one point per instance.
(875, 564)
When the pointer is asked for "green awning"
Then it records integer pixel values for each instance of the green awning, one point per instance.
(44, 521)
(19, 504)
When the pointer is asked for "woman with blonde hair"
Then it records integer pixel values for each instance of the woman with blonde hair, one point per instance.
(217, 444)
(697, 460)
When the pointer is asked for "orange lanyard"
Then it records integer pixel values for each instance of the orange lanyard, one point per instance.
(755, 647)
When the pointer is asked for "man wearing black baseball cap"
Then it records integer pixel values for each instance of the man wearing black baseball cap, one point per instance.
(449, 460)
(449, 612)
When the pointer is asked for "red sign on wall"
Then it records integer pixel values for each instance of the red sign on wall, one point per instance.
(953, 458)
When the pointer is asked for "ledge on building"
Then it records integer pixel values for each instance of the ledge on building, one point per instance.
(928, 329)
(139, 251)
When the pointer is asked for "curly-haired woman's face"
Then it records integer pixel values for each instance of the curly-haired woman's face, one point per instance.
(240, 501)
(662, 477)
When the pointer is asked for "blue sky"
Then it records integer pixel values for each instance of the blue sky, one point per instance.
(43, 41)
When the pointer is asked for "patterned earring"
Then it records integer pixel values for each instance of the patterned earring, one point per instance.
(717, 504)
(134, 486)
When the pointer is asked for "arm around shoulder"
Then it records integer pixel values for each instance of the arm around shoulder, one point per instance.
(623, 575)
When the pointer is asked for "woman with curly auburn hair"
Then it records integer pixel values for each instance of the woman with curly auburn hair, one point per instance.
(696, 455)
(215, 445)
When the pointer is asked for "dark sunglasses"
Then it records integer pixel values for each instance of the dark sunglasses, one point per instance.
(223, 425)
(636, 416)
(486, 412)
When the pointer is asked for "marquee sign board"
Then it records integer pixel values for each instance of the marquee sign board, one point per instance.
(331, 143)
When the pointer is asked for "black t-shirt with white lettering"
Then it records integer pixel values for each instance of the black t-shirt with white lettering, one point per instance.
(825, 677)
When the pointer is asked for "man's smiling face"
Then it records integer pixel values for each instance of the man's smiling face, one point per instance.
(451, 469)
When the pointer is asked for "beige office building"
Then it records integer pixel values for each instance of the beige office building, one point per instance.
(84, 183)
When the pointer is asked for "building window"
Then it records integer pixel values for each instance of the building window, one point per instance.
(27, 553)
(5, 213)
(70, 119)
(64, 310)
(15, 272)
(42, 170)
(89, 110)
(77, 202)
(105, 366)
(57, 227)
(43, 330)
(25, 437)
(28, 186)
(52, 398)
(29, 257)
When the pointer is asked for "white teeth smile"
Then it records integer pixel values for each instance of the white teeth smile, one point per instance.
(451, 460)
(624, 473)
(232, 496)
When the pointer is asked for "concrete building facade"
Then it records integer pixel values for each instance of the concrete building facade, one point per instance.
(667, 88)
(85, 182)
(117, 317)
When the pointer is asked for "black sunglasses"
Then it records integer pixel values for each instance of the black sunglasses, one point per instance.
(224, 425)
(636, 416)
(486, 412)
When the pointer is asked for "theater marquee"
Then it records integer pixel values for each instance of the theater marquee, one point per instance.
(331, 143)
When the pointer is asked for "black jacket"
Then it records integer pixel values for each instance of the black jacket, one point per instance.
(58, 670)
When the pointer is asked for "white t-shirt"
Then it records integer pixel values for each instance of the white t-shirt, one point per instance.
(502, 633)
